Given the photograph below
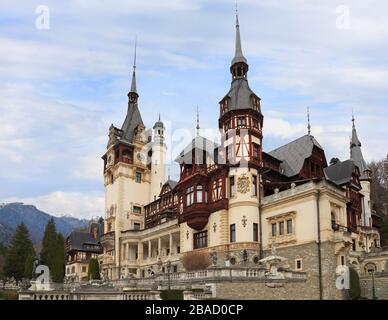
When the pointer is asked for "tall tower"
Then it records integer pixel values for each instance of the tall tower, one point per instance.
(365, 175)
(126, 179)
(241, 124)
(158, 160)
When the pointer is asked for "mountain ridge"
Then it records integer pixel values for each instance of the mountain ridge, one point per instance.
(12, 214)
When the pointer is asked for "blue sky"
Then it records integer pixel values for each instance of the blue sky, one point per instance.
(62, 87)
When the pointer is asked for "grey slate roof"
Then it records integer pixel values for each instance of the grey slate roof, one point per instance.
(341, 172)
(198, 143)
(240, 95)
(293, 154)
(238, 56)
(171, 183)
(79, 240)
(356, 154)
(132, 120)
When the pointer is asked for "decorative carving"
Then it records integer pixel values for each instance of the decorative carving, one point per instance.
(243, 184)
(244, 221)
(187, 234)
(215, 227)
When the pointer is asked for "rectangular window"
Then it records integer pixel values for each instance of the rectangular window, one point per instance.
(83, 268)
(255, 232)
(342, 260)
(137, 209)
(231, 186)
(274, 229)
(281, 228)
(190, 196)
(200, 240)
(254, 185)
(199, 193)
(353, 244)
(241, 121)
(232, 233)
(255, 151)
(289, 226)
(298, 264)
(138, 177)
(136, 226)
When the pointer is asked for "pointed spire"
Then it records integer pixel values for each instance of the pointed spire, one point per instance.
(133, 84)
(238, 56)
(198, 127)
(355, 141)
(356, 153)
(308, 121)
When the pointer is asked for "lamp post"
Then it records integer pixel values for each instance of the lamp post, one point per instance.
(374, 297)
(168, 274)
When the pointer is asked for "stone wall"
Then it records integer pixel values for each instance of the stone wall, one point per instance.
(381, 286)
(293, 290)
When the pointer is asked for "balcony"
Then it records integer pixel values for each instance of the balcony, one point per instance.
(196, 215)
(108, 240)
(107, 259)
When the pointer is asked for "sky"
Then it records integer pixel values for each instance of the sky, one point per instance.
(65, 70)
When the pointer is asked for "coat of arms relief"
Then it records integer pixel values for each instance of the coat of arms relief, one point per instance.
(243, 184)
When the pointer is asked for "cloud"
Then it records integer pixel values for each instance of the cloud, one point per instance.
(61, 203)
(63, 87)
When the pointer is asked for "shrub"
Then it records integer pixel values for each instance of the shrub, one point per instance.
(171, 295)
(94, 270)
(196, 260)
(355, 288)
(9, 295)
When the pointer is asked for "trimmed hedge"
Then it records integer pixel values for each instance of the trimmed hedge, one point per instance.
(171, 294)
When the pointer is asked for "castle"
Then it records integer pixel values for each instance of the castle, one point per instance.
(233, 200)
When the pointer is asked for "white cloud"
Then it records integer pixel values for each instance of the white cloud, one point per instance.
(61, 203)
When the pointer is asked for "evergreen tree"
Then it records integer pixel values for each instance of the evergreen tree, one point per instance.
(94, 270)
(28, 266)
(49, 244)
(53, 252)
(58, 265)
(20, 250)
(3, 252)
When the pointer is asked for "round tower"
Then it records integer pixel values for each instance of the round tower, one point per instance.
(158, 160)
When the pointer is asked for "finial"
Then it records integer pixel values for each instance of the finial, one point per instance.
(169, 172)
(133, 84)
(308, 121)
(237, 24)
(198, 127)
(159, 116)
(354, 126)
(134, 56)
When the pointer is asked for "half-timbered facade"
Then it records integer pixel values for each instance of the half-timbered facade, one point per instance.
(232, 199)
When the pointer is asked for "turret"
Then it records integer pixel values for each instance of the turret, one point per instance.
(158, 160)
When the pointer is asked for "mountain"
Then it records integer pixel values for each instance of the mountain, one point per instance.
(5, 233)
(12, 214)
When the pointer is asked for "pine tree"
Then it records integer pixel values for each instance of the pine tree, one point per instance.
(49, 244)
(53, 252)
(94, 270)
(28, 267)
(58, 266)
(20, 250)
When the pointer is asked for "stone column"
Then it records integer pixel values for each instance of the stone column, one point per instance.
(140, 252)
(170, 244)
(149, 249)
(160, 247)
